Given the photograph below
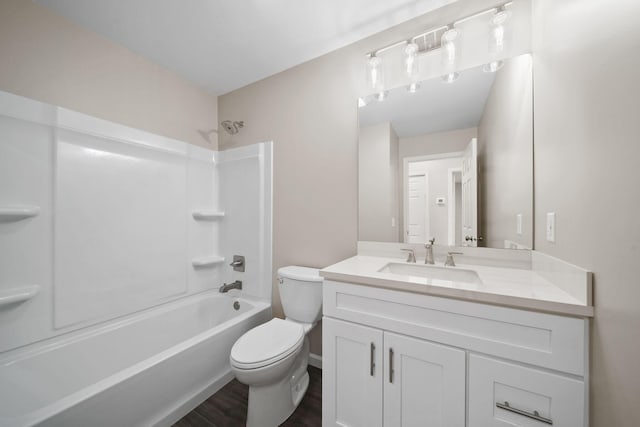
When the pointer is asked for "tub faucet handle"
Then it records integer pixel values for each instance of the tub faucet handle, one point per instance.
(238, 263)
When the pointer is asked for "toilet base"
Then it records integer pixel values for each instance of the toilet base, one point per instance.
(270, 405)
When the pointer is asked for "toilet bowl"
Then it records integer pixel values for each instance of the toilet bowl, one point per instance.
(272, 358)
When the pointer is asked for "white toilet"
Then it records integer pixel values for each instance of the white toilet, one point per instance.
(272, 358)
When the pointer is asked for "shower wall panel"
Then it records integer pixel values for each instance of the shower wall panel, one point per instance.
(120, 227)
(110, 227)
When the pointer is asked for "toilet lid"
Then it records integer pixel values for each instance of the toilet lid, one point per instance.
(305, 274)
(267, 343)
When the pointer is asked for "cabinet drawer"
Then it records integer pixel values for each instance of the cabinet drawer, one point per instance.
(546, 340)
(505, 394)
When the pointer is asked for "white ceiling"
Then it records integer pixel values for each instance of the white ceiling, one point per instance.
(223, 45)
(436, 107)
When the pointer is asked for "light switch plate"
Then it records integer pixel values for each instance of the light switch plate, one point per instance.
(551, 226)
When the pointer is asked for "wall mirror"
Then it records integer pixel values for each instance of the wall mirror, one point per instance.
(450, 160)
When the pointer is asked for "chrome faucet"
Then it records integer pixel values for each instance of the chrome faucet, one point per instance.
(412, 255)
(449, 261)
(227, 287)
(429, 247)
(238, 263)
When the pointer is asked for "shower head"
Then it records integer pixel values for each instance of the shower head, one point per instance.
(232, 127)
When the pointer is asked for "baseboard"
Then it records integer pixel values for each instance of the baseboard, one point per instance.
(315, 360)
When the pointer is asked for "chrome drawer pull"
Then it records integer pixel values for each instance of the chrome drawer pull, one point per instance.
(372, 364)
(534, 416)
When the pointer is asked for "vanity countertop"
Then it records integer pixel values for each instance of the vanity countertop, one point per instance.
(512, 287)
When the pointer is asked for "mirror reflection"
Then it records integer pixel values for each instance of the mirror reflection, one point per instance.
(450, 161)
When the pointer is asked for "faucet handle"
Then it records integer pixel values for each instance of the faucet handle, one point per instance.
(431, 242)
(449, 262)
(412, 255)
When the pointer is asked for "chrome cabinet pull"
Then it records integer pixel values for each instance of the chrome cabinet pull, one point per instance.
(534, 416)
(372, 364)
(390, 365)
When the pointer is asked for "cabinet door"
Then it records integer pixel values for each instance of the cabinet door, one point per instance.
(506, 394)
(351, 375)
(424, 383)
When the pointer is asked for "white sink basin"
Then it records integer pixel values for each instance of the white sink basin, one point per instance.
(449, 274)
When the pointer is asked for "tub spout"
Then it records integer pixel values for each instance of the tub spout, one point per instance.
(227, 287)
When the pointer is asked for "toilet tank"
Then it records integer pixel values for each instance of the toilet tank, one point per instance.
(301, 293)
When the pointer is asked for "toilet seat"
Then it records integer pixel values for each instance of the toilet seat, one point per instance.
(267, 344)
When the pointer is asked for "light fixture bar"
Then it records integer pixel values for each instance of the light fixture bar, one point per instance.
(438, 29)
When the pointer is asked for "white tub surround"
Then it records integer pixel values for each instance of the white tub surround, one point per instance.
(113, 244)
(477, 344)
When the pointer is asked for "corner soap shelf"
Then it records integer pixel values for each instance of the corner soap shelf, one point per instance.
(16, 295)
(207, 215)
(17, 213)
(207, 261)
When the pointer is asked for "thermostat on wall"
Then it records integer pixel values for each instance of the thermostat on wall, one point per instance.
(439, 200)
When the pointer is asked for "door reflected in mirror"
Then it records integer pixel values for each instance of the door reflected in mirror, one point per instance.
(450, 161)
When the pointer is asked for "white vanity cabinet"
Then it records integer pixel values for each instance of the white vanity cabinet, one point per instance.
(385, 379)
(398, 359)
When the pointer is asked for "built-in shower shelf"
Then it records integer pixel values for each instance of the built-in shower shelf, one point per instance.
(16, 213)
(207, 261)
(207, 215)
(17, 295)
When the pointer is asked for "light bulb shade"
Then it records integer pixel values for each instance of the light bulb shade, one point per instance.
(497, 35)
(450, 45)
(500, 17)
(493, 66)
(496, 40)
(375, 76)
(450, 77)
(410, 63)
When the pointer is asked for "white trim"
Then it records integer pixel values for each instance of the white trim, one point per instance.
(315, 360)
(439, 156)
(451, 209)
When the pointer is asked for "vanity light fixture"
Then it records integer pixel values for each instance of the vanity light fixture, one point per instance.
(375, 76)
(411, 59)
(445, 37)
(450, 47)
(450, 77)
(382, 95)
(496, 40)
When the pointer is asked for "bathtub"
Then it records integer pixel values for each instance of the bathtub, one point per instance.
(148, 369)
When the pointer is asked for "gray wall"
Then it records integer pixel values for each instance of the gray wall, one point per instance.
(436, 143)
(378, 183)
(505, 156)
(587, 109)
(50, 59)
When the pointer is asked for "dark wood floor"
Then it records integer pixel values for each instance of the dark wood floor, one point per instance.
(228, 407)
